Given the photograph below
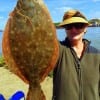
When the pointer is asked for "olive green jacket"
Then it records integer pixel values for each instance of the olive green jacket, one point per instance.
(77, 79)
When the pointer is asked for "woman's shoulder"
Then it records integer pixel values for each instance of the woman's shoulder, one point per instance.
(93, 49)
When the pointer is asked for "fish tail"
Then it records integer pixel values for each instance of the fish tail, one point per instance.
(35, 93)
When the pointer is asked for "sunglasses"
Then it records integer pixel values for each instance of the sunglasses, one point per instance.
(75, 25)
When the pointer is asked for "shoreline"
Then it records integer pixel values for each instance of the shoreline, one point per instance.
(10, 83)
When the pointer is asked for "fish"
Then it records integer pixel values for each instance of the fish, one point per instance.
(29, 44)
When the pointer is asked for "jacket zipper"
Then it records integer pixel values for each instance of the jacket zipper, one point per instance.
(80, 79)
(79, 72)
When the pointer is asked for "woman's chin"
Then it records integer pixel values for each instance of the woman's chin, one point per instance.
(74, 38)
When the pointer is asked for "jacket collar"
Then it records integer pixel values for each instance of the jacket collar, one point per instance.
(66, 42)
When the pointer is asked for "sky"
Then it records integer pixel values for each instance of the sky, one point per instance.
(90, 8)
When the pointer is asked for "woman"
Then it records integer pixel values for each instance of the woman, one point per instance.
(76, 75)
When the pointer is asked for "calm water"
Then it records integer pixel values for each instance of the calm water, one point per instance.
(93, 34)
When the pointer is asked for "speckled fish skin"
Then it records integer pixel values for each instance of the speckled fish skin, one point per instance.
(29, 45)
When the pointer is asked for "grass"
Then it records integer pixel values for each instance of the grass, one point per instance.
(2, 63)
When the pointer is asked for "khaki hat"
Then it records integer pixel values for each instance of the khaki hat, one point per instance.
(73, 16)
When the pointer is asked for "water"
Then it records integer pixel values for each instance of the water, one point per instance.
(0, 43)
(93, 34)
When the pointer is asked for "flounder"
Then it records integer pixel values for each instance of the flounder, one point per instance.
(30, 45)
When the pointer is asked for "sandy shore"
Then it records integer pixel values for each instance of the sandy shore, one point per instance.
(10, 83)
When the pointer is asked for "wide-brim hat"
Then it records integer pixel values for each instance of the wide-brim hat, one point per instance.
(73, 20)
(73, 16)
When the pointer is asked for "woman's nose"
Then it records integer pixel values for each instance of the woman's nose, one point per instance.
(73, 29)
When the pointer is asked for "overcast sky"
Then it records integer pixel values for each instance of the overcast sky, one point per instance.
(91, 8)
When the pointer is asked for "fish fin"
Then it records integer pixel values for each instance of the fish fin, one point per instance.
(35, 93)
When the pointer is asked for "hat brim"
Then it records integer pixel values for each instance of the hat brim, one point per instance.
(73, 20)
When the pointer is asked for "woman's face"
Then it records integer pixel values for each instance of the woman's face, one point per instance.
(75, 31)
